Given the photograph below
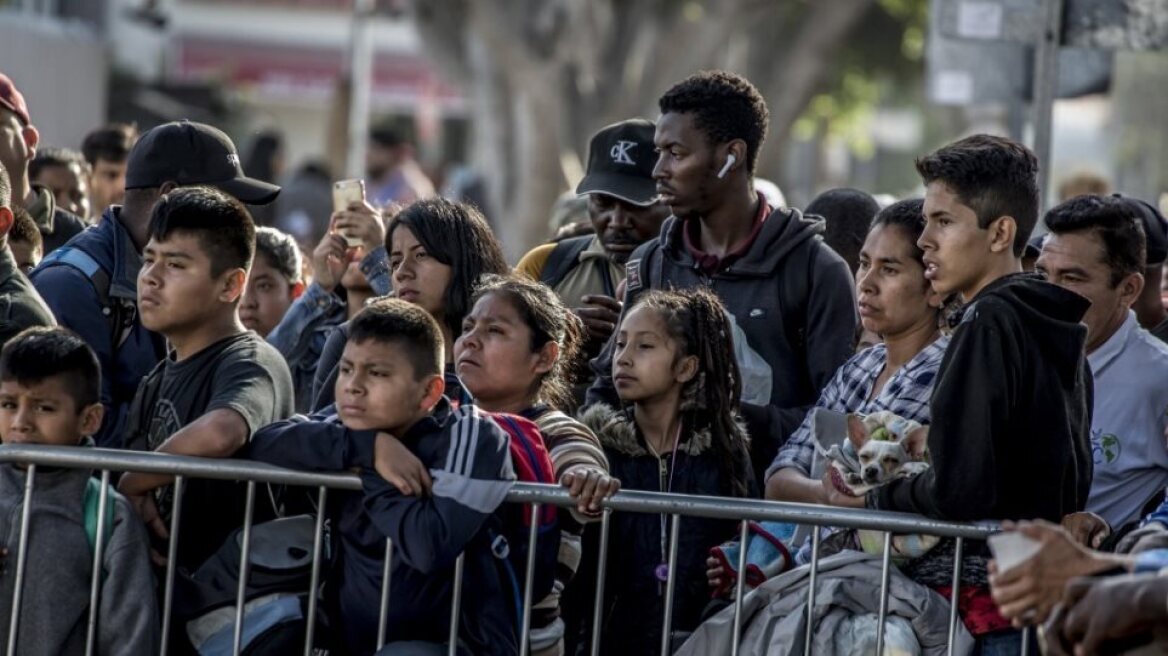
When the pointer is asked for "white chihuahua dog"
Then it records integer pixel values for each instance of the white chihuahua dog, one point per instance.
(883, 446)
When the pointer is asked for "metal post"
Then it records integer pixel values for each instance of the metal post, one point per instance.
(1026, 641)
(171, 558)
(529, 582)
(954, 596)
(383, 613)
(811, 590)
(360, 85)
(244, 568)
(885, 567)
(456, 605)
(98, 563)
(670, 584)
(314, 582)
(598, 603)
(1046, 59)
(739, 585)
(25, 517)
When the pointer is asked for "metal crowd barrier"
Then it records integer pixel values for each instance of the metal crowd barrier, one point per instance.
(674, 505)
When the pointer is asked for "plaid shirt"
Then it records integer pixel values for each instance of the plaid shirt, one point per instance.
(906, 393)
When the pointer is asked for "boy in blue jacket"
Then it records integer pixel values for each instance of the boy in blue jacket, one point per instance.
(390, 397)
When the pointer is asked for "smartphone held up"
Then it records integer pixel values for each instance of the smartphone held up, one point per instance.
(345, 193)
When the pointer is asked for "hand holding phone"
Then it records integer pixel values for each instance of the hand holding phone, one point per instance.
(345, 193)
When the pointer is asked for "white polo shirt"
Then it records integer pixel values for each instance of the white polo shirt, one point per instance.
(1128, 423)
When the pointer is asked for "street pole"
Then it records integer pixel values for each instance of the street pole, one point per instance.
(360, 85)
(1046, 62)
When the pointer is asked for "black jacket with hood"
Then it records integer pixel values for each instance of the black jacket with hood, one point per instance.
(791, 295)
(1011, 411)
(634, 598)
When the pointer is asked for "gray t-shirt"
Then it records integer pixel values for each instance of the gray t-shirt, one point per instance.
(241, 372)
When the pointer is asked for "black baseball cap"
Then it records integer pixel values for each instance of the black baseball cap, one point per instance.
(189, 153)
(620, 163)
(1155, 229)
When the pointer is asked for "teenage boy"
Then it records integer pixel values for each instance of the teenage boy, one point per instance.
(106, 150)
(20, 305)
(791, 296)
(389, 396)
(276, 280)
(1096, 248)
(220, 382)
(1011, 408)
(49, 395)
(91, 284)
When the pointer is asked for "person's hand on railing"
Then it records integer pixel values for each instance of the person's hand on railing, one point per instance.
(589, 486)
(1088, 529)
(400, 467)
(1027, 592)
(1105, 614)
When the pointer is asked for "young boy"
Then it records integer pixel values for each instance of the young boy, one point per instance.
(276, 280)
(389, 397)
(1011, 407)
(220, 382)
(49, 395)
(24, 240)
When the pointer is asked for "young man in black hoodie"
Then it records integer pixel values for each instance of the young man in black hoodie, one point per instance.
(1011, 408)
(792, 297)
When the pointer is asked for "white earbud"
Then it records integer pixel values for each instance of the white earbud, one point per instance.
(730, 159)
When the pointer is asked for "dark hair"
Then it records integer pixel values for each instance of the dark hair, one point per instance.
(725, 106)
(396, 322)
(847, 213)
(1115, 223)
(549, 321)
(697, 321)
(110, 142)
(281, 251)
(908, 215)
(222, 224)
(386, 137)
(457, 235)
(25, 229)
(5, 188)
(993, 176)
(50, 157)
(39, 353)
(259, 163)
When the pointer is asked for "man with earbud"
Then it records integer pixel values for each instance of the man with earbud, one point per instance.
(792, 297)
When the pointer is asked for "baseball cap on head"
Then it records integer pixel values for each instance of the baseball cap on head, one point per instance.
(189, 153)
(621, 158)
(12, 100)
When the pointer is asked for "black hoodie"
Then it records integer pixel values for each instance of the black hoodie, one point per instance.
(1011, 411)
(791, 295)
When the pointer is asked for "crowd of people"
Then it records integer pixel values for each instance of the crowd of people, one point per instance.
(684, 337)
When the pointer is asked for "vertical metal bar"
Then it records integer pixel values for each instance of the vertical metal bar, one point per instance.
(244, 568)
(885, 568)
(601, 568)
(98, 562)
(171, 558)
(670, 584)
(317, 556)
(954, 596)
(1046, 65)
(25, 518)
(383, 613)
(456, 605)
(1026, 640)
(811, 589)
(529, 581)
(738, 587)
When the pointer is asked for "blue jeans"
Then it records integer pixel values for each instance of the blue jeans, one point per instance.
(1004, 643)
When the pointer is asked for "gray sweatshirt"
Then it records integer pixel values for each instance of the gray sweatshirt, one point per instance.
(55, 605)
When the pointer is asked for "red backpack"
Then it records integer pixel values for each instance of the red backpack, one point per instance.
(532, 464)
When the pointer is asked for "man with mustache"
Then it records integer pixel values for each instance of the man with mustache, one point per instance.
(625, 213)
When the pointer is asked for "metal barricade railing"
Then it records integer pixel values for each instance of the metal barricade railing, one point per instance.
(673, 505)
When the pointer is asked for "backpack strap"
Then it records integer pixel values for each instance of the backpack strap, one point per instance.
(563, 258)
(119, 313)
(91, 507)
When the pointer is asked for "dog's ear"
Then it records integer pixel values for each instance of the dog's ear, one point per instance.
(857, 431)
(916, 443)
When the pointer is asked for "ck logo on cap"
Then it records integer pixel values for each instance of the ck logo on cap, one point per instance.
(620, 153)
(233, 159)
